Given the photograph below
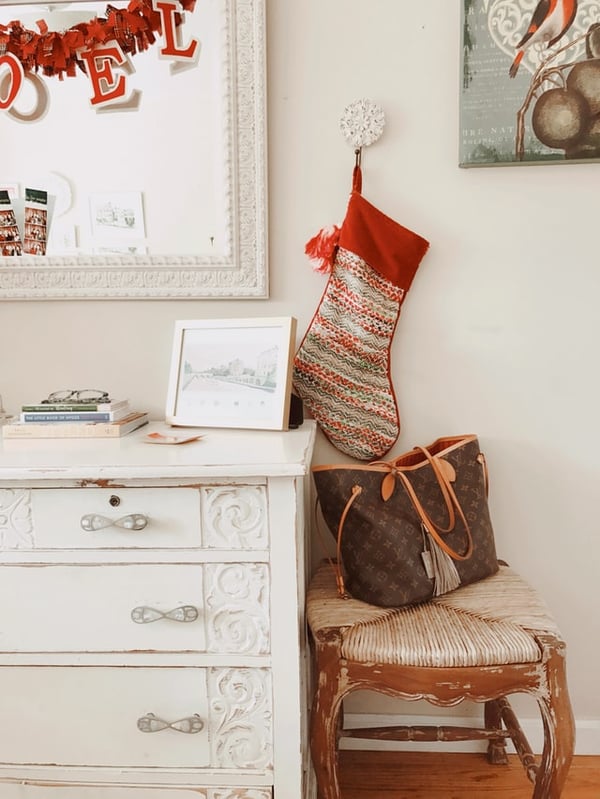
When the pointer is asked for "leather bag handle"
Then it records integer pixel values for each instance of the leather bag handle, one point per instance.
(431, 528)
(336, 564)
(450, 499)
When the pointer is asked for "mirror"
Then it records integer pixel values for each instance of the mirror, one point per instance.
(148, 163)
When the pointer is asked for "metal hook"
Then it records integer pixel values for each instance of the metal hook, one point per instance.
(357, 156)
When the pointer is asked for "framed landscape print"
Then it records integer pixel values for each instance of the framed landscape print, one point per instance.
(530, 90)
(232, 373)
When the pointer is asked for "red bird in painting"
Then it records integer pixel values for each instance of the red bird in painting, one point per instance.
(550, 21)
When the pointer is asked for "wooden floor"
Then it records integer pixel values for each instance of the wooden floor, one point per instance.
(404, 775)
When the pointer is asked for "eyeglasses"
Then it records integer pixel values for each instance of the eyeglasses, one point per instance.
(79, 395)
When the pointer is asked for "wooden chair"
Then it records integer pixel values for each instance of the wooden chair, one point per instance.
(480, 643)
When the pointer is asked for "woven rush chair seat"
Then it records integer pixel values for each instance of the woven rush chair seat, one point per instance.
(480, 643)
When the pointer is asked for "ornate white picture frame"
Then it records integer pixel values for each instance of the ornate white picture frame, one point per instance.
(239, 268)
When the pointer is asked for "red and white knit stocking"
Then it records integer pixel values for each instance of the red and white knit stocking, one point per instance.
(342, 367)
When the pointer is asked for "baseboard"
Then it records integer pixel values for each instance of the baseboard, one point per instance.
(587, 732)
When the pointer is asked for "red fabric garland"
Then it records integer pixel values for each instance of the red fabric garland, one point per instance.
(56, 53)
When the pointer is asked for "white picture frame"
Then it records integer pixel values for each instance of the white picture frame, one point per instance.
(232, 373)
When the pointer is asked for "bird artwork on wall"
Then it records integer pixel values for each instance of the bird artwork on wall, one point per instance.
(531, 82)
(549, 23)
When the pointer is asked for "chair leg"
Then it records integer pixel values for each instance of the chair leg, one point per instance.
(559, 725)
(496, 751)
(325, 721)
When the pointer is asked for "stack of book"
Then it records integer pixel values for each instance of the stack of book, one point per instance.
(75, 420)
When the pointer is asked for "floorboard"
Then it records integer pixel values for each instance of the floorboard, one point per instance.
(427, 775)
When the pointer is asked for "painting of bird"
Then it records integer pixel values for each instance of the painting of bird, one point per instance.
(550, 21)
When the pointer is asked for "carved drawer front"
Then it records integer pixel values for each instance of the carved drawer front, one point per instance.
(28, 791)
(213, 718)
(92, 518)
(210, 607)
(214, 517)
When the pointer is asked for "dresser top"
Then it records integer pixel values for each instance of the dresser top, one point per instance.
(220, 453)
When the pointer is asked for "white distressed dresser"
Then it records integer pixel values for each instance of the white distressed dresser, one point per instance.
(152, 634)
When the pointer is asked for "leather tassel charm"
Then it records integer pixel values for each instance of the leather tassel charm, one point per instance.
(445, 575)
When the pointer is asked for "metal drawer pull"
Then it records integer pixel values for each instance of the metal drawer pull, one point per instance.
(94, 521)
(145, 615)
(189, 725)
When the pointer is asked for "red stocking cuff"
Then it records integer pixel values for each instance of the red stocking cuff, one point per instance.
(388, 247)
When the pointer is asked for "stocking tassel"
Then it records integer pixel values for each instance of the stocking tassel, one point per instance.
(322, 248)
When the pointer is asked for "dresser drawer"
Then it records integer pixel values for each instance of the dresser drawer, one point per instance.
(97, 518)
(210, 607)
(98, 716)
(212, 517)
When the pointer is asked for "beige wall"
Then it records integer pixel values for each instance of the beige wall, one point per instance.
(499, 333)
